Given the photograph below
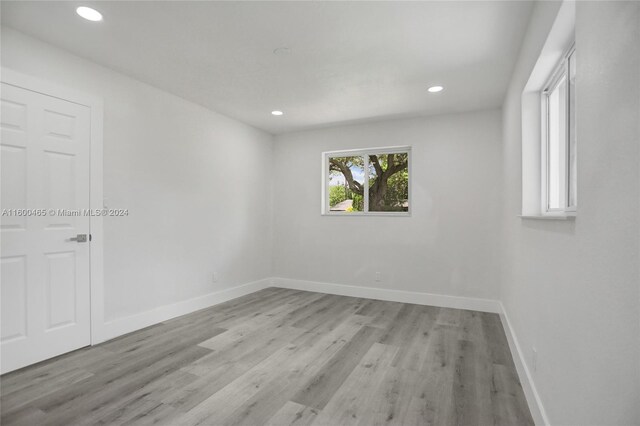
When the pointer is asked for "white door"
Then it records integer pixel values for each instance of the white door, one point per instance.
(45, 288)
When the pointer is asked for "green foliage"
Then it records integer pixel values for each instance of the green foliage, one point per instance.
(358, 203)
(337, 194)
(398, 189)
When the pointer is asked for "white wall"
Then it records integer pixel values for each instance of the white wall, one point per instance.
(571, 289)
(197, 185)
(448, 245)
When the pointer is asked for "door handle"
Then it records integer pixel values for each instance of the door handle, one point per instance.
(81, 238)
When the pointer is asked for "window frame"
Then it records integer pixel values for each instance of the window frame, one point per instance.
(560, 71)
(325, 207)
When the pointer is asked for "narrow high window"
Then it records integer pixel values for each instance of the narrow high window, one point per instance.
(559, 147)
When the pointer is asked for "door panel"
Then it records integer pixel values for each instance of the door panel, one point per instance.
(14, 298)
(45, 291)
(14, 184)
(61, 289)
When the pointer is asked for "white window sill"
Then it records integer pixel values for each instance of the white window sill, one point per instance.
(378, 214)
(549, 217)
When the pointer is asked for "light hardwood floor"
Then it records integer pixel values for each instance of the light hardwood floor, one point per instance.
(283, 357)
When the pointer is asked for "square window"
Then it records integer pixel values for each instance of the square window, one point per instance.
(371, 181)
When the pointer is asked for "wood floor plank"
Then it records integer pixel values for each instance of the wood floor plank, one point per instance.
(322, 386)
(242, 348)
(283, 357)
(433, 402)
(338, 314)
(508, 400)
(165, 387)
(302, 309)
(467, 409)
(125, 369)
(27, 416)
(382, 313)
(273, 308)
(404, 326)
(213, 315)
(472, 331)
(160, 415)
(354, 398)
(471, 327)
(99, 396)
(121, 413)
(411, 353)
(391, 401)
(36, 389)
(496, 340)
(50, 370)
(221, 367)
(164, 341)
(268, 385)
(321, 311)
(293, 414)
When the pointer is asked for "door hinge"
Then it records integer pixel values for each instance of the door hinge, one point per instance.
(89, 237)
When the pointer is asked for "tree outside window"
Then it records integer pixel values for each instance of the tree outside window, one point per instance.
(384, 176)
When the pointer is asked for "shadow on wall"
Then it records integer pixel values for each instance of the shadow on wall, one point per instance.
(566, 227)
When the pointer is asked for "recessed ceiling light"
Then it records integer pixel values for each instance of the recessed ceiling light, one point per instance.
(277, 112)
(89, 14)
(435, 89)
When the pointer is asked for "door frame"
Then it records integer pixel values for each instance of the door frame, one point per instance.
(96, 223)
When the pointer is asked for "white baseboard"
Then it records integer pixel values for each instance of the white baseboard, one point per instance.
(528, 386)
(440, 300)
(120, 326)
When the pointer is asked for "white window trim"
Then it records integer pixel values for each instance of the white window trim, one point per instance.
(561, 37)
(561, 69)
(364, 153)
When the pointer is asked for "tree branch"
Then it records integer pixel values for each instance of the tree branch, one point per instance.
(393, 167)
(376, 164)
(354, 185)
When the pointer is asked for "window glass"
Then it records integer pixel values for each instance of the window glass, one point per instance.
(573, 176)
(556, 144)
(346, 184)
(389, 182)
